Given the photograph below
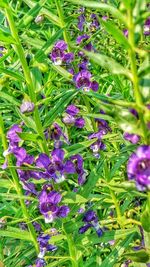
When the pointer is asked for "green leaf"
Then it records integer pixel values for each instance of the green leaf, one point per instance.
(27, 120)
(31, 14)
(77, 148)
(118, 251)
(93, 239)
(29, 136)
(9, 98)
(100, 6)
(59, 107)
(145, 220)
(52, 17)
(42, 53)
(108, 63)
(116, 33)
(138, 256)
(92, 179)
(62, 72)
(23, 235)
(11, 73)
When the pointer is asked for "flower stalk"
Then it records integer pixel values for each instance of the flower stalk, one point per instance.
(135, 79)
(19, 50)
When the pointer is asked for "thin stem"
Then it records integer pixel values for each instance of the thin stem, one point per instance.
(18, 188)
(117, 207)
(135, 80)
(72, 249)
(32, 94)
(62, 23)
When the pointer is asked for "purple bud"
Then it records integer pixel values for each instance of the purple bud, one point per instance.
(94, 86)
(26, 107)
(79, 122)
(72, 110)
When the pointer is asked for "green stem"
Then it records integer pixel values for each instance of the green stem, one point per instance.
(117, 207)
(136, 88)
(62, 23)
(72, 249)
(32, 94)
(18, 188)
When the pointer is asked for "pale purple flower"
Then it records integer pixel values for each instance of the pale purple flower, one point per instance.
(26, 107)
(132, 138)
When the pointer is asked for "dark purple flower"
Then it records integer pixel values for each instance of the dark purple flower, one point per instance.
(58, 52)
(48, 205)
(95, 23)
(72, 110)
(132, 138)
(94, 86)
(68, 57)
(37, 226)
(138, 167)
(43, 240)
(90, 216)
(57, 134)
(81, 38)
(43, 161)
(26, 107)
(63, 211)
(84, 228)
(134, 112)
(79, 122)
(78, 165)
(69, 167)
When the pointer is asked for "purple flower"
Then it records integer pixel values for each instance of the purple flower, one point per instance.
(58, 54)
(48, 205)
(72, 110)
(61, 45)
(43, 240)
(147, 27)
(84, 228)
(82, 39)
(82, 80)
(81, 22)
(68, 57)
(95, 23)
(26, 106)
(78, 165)
(12, 134)
(90, 216)
(132, 138)
(104, 18)
(94, 86)
(91, 220)
(138, 167)
(125, 32)
(1, 49)
(79, 122)
(40, 263)
(68, 119)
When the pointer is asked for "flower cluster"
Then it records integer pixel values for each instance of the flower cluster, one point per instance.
(59, 55)
(72, 118)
